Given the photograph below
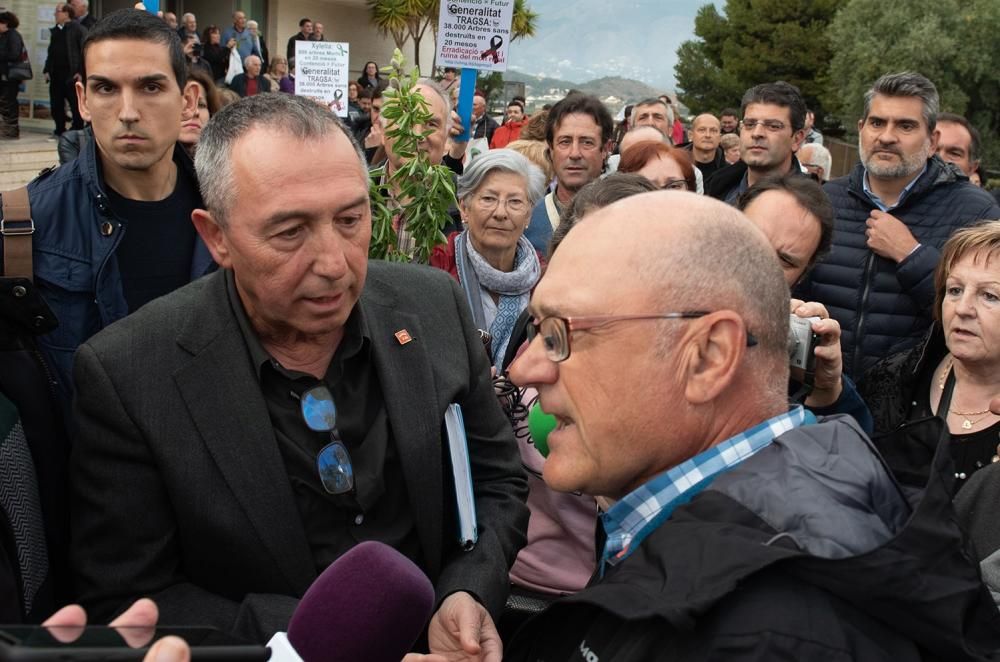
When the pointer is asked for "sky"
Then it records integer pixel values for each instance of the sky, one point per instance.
(580, 40)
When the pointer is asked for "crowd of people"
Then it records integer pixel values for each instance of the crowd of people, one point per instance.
(210, 51)
(717, 403)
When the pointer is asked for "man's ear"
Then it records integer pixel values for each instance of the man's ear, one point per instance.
(714, 354)
(213, 235)
(190, 95)
(81, 100)
(935, 137)
(797, 139)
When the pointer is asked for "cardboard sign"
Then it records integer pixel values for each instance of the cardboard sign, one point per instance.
(321, 72)
(474, 34)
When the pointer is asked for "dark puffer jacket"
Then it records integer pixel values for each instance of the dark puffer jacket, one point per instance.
(805, 551)
(884, 307)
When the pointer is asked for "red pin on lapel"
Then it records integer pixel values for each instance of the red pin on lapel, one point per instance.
(403, 336)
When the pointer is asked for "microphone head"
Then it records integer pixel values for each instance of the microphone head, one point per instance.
(540, 425)
(370, 604)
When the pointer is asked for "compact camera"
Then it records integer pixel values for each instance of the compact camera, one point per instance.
(801, 342)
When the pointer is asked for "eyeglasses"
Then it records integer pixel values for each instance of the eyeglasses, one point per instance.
(555, 331)
(487, 203)
(333, 461)
(675, 185)
(774, 126)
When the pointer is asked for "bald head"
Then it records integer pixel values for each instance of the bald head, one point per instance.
(676, 242)
(706, 119)
(640, 134)
(706, 133)
(666, 367)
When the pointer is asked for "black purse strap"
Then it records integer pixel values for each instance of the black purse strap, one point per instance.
(16, 228)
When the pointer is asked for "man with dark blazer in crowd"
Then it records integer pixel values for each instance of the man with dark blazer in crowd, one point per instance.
(202, 459)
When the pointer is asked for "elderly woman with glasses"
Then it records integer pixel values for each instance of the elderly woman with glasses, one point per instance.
(494, 263)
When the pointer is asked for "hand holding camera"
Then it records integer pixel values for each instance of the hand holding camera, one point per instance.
(824, 346)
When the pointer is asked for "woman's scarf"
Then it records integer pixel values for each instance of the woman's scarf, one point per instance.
(514, 287)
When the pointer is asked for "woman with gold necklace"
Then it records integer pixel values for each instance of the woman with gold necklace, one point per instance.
(954, 373)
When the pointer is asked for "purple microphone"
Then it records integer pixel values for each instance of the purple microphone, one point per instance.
(370, 604)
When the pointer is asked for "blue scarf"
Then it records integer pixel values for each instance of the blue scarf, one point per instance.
(514, 287)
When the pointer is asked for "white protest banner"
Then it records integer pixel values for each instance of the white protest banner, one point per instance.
(474, 34)
(321, 72)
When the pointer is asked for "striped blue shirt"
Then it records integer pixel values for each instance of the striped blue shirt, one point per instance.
(641, 511)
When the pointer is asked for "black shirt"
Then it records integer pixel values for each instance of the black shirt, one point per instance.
(378, 508)
(156, 250)
(970, 452)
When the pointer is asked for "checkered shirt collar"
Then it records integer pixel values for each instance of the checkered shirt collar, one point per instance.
(641, 511)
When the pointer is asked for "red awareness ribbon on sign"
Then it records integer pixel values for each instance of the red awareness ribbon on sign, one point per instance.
(495, 43)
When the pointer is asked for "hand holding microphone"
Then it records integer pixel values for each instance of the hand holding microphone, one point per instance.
(370, 604)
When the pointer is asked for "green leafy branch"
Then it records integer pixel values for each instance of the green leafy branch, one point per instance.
(419, 193)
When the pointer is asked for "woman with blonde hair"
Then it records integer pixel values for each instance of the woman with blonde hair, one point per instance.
(277, 71)
(950, 377)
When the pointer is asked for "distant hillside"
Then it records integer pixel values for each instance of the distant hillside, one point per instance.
(623, 88)
(542, 88)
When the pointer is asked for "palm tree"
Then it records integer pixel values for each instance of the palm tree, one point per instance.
(525, 21)
(404, 19)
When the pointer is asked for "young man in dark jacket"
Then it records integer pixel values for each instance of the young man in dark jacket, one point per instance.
(894, 211)
(113, 227)
(742, 529)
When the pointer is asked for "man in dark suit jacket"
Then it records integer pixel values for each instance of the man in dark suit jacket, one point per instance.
(195, 475)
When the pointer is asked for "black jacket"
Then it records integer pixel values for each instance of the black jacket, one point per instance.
(290, 47)
(72, 38)
(890, 386)
(11, 46)
(884, 307)
(717, 163)
(723, 181)
(485, 127)
(846, 570)
(218, 57)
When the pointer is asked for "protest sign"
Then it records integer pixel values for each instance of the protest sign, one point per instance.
(321, 72)
(474, 33)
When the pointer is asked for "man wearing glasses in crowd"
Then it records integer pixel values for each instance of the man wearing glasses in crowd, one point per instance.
(772, 130)
(744, 529)
(238, 437)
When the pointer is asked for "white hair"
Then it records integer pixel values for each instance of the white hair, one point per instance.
(246, 60)
(820, 156)
(434, 87)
